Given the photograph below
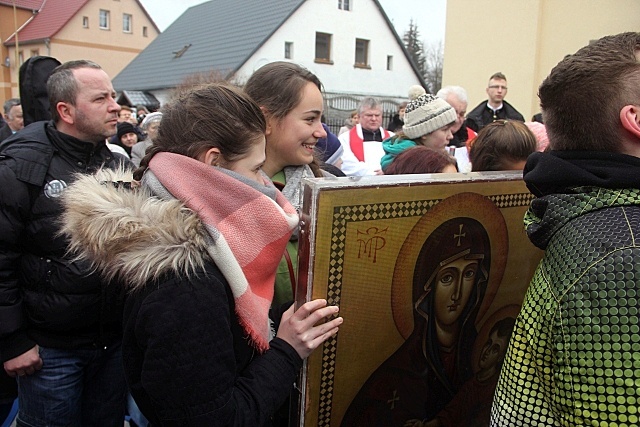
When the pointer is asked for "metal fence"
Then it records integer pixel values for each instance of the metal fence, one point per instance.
(338, 108)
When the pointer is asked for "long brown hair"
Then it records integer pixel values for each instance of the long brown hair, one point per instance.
(212, 115)
(277, 87)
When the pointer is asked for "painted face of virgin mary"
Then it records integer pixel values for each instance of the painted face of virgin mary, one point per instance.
(452, 265)
(453, 285)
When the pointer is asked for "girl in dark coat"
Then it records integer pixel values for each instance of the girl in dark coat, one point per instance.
(199, 243)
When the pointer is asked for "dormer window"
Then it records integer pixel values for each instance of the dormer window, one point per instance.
(179, 53)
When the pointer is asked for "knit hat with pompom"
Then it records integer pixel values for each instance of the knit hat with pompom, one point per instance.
(426, 113)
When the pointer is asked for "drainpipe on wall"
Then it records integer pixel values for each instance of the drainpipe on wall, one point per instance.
(47, 44)
(15, 27)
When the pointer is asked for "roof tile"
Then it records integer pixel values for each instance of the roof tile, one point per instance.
(51, 18)
(222, 34)
(24, 4)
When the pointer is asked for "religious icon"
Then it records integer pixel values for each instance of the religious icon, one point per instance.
(429, 276)
(471, 406)
(449, 283)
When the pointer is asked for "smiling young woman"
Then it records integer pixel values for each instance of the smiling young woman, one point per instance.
(291, 99)
(196, 244)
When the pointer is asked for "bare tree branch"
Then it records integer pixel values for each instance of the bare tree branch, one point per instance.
(427, 57)
(434, 59)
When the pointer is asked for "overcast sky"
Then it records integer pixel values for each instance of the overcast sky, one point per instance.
(429, 15)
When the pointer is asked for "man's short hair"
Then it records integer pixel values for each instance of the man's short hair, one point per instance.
(498, 76)
(62, 85)
(9, 104)
(582, 97)
(457, 91)
(369, 103)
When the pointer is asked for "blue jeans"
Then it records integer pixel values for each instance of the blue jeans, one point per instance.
(134, 412)
(79, 387)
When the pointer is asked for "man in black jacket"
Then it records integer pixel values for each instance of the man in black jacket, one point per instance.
(494, 108)
(13, 121)
(60, 330)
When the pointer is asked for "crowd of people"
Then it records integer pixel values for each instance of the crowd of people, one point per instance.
(442, 124)
(119, 276)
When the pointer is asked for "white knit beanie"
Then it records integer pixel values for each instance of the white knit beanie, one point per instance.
(151, 117)
(415, 91)
(425, 114)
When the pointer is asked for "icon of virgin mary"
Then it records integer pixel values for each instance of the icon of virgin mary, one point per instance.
(436, 311)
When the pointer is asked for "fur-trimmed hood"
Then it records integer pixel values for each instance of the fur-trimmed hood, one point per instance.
(128, 233)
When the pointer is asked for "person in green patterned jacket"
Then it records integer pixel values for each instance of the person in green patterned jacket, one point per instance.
(574, 356)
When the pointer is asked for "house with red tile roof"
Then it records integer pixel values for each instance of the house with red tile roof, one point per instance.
(108, 32)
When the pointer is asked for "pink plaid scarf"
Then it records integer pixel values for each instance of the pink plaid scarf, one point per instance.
(249, 231)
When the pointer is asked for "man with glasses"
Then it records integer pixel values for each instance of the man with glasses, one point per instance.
(494, 108)
(362, 145)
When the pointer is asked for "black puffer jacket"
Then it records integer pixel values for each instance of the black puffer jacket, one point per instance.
(187, 360)
(189, 363)
(5, 130)
(45, 298)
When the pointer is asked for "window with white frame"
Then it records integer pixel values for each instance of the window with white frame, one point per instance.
(126, 23)
(323, 48)
(344, 4)
(85, 22)
(104, 19)
(362, 53)
(288, 50)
